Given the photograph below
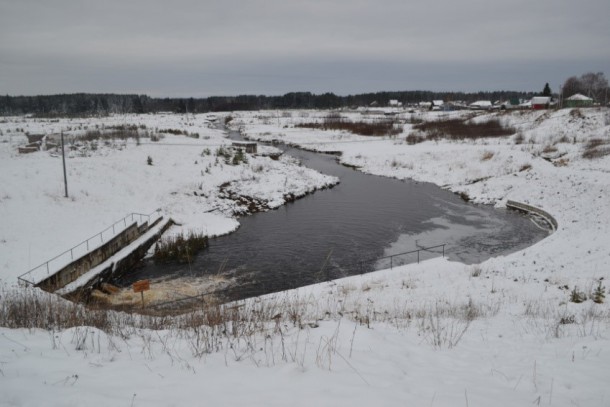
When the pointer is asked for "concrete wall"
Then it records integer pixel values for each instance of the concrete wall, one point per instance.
(85, 263)
(528, 208)
(126, 264)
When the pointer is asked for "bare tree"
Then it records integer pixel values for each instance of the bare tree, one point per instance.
(594, 85)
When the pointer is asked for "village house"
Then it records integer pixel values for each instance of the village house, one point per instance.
(481, 105)
(579, 100)
(541, 102)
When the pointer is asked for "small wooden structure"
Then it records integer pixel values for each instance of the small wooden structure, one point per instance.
(28, 149)
(248, 147)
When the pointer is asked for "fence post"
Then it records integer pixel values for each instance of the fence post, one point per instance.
(391, 262)
(71, 254)
(87, 244)
(47, 268)
(443, 251)
(418, 257)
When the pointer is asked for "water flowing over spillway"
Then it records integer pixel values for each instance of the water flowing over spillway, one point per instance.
(346, 230)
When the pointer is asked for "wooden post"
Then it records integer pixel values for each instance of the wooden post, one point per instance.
(63, 160)
(141, 286)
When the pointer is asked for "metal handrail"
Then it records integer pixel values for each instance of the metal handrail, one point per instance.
(124, 220)
(422, 249)
(391, 257)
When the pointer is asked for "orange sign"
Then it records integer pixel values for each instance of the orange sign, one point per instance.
(141, 286)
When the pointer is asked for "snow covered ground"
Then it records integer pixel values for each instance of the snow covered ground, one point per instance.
(440, 333)
(108, 179)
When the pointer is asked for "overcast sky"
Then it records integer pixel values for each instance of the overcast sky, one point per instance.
(228, 47)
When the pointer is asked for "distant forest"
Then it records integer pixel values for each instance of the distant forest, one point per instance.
(88, 104)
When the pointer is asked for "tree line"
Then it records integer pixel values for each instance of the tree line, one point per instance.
(89, 104)
(591, 84)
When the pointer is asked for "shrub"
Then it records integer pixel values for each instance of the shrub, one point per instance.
(223, 152)
(577, 296)
(111, 133)
(476, 271)
(239, 157)
(599, 294)
(175, 132)
(414, 138)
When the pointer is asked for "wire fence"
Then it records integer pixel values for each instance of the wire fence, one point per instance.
(275, 284)
(50, 267)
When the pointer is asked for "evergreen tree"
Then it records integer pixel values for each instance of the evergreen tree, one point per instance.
(547, 90)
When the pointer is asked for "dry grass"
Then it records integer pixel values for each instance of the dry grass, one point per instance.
(548, 149)
(596, 148)
(525, 167)
(382, 127)
(458, 129)
(487, 155)
(211, 325)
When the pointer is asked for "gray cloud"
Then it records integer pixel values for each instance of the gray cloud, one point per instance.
(199, 48)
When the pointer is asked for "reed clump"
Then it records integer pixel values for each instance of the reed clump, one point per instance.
(180, 248)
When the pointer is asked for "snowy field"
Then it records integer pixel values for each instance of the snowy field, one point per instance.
(503, 333)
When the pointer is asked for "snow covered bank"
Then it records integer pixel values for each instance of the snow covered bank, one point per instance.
(188, 173)
(542, 165)
(440, 333)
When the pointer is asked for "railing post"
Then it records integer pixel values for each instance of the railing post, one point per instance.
(418, 257)
(113, 229)
(391, 262)
(87, 244)
(443, 251)
(71, 254)
(47, 268)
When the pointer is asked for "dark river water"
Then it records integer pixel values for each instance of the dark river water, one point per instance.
(347, 229)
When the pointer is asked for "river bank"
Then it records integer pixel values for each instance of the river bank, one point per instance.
(116, 165)
(504, 332)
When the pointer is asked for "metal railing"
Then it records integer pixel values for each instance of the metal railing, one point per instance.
(421, 249)
(49, 267)
(356, 268)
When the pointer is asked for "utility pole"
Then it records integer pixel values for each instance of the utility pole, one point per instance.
(63, 160)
